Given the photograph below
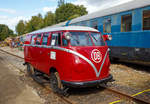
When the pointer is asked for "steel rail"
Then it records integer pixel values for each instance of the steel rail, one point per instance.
(11, 54)
(121, 95)
(126, 96)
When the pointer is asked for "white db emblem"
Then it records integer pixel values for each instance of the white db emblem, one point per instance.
(96, 56)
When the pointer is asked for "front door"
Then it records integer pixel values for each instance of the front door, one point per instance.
(48, 56)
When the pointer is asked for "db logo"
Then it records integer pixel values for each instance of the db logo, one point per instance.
(96, 56)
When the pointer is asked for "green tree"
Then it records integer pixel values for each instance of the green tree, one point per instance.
(20, 28)
(28, 27)
(69, 11)
(49, 19)
(73, 16)
(35, 23)
(5, 32)
(61, 2)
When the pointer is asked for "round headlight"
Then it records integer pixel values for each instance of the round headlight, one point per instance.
(109, 37)
(67, 35)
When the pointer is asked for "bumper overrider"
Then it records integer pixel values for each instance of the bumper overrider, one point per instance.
(88, 83)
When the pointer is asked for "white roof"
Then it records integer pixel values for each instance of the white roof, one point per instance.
(113, 10)
(50, 29)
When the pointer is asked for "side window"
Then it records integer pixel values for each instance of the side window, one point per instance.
(95, 24)
(38, 40)
(126, 23)
(107, 26)
(56, 39)
(33, 40)
(146, 20)
(64, 42)
(88, 23)
(45, 38)
(83, 23)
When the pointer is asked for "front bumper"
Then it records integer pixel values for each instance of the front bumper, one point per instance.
(88, 83)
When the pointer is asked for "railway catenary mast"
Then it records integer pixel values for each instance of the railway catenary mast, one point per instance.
(129, 25)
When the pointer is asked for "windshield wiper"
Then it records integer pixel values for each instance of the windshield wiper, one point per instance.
(94, 38)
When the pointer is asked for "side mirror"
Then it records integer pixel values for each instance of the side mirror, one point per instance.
(67, 35)
(107, 37)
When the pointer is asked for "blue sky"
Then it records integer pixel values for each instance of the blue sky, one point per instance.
(26, 7)
(11, 11)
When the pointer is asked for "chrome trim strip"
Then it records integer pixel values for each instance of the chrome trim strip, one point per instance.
(77, 54)
(59, 48)
(98, 74)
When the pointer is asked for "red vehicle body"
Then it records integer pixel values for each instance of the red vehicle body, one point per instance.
(78, 54)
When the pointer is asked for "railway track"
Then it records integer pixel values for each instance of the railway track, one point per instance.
(126, 96)
(121, 95)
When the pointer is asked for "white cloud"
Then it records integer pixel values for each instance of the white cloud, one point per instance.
(47, 9)
(11, 11)
(95, 5)
(12, 22)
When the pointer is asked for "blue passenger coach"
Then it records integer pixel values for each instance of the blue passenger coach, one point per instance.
(129, 25)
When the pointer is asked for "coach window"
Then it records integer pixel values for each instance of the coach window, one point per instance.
(95, 24)
(146, 20)
(83, 23)
(45, 38)
(126, 23)
(56, 39)
(107, 26)
(88, 23)
(33, 39)
(38, 40)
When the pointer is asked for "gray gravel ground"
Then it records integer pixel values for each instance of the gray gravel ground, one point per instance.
(13, 90)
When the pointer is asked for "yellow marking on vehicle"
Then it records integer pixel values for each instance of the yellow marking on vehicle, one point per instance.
(117, 101)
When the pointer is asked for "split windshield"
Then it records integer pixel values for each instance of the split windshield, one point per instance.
(86, 39)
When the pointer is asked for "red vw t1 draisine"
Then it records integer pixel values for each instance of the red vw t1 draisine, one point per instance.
(72, 56)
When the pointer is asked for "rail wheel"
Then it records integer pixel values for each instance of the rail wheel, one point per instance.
(55, 82)
(30, 70)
